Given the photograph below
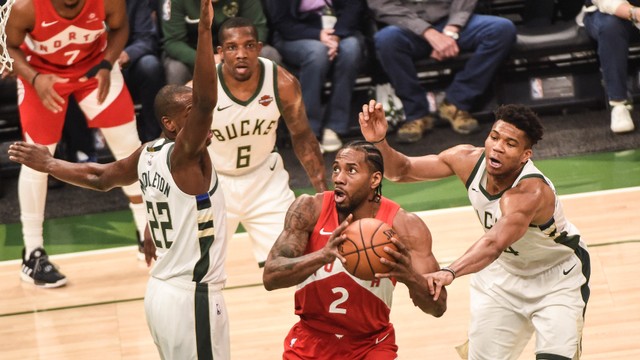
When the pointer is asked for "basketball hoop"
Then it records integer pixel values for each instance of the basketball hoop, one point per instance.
(6, 62)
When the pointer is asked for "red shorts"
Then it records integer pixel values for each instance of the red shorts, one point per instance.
(303, 342)
(45, 127)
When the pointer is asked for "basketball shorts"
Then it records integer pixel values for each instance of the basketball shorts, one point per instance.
(45, 127)
(507, 309)
(187, 321)
(303, 343)
(259, 200)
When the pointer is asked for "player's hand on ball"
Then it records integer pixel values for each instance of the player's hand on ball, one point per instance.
(401, 268)
(330, 250)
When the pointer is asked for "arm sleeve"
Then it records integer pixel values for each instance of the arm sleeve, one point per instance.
(461, 11)
(253, 10)
(393, 13)
(143, 37)
(174, 31)
(287, 24)
(349, 17)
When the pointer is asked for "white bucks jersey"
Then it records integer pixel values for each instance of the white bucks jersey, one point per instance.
(244, 132)
(188, 230)
(542, 246)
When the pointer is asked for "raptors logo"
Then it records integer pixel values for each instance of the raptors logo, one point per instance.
(265, 100)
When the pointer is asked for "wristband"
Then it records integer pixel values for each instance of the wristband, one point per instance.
(104, 64)
(33, 79)
(379, 141)
(450, 271)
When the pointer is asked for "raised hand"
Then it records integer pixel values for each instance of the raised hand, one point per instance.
(373, 123)
(206, 14)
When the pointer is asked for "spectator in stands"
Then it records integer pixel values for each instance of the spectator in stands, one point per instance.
(322, 38)
(611, 24)
(179, 24)
(440, 30)
(141, 66)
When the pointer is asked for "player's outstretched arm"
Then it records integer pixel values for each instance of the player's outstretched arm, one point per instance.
(413, 259)
(402, 168)
(101, 177)
(305, 144)
(531, 202)
(193, 138)
(286, 265)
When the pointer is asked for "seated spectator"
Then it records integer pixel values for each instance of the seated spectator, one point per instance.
(179, 23)
(440, 30)
(611, 24)
(141, 66)
(322, 38)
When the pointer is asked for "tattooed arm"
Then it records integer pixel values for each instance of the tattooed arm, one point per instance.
(287, 264)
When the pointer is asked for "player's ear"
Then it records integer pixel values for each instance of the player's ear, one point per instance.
(526, 155)
(376, 179)
(168, 124)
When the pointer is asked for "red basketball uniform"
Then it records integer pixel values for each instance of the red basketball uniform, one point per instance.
(341, 316)
(69, 48)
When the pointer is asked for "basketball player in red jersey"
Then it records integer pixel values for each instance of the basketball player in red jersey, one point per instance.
(63, 47)
(343, 317)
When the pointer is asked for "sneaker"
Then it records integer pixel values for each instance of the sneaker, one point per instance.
(461, 121)
(140, 246)
(330, 141)
(621, 121)
(39, 271)
(411, 131)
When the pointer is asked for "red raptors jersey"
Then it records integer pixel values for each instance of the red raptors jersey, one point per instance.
(333, 301)
(66, 47)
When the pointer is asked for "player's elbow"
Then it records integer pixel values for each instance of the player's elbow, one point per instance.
(268, 280)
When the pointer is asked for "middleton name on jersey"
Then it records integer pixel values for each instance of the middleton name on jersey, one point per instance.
(156, 181)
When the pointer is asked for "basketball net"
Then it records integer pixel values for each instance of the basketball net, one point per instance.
(6, 62)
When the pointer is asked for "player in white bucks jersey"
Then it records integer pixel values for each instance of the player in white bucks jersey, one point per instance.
(253, 94)
(531, 268)
(184, 306)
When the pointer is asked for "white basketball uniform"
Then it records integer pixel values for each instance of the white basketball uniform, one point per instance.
(251, 172)
(185, 309)
(539, 283)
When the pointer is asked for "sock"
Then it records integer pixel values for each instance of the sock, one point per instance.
(32, 194)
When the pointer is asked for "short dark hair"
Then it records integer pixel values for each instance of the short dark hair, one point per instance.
(374, 159)
(166, 104)
(236, 22)
(522, 117)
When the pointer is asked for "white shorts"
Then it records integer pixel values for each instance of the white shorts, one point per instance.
(259, 200)
(187, 321)
(506, 309)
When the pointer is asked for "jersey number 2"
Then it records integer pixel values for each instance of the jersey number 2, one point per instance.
(334, 308)
(161, 221)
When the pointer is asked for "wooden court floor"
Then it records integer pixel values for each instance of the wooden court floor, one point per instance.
(99, 314)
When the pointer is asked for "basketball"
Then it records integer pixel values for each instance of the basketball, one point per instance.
(364, 246)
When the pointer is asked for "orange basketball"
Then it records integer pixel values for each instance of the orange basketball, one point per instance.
(366, 239)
